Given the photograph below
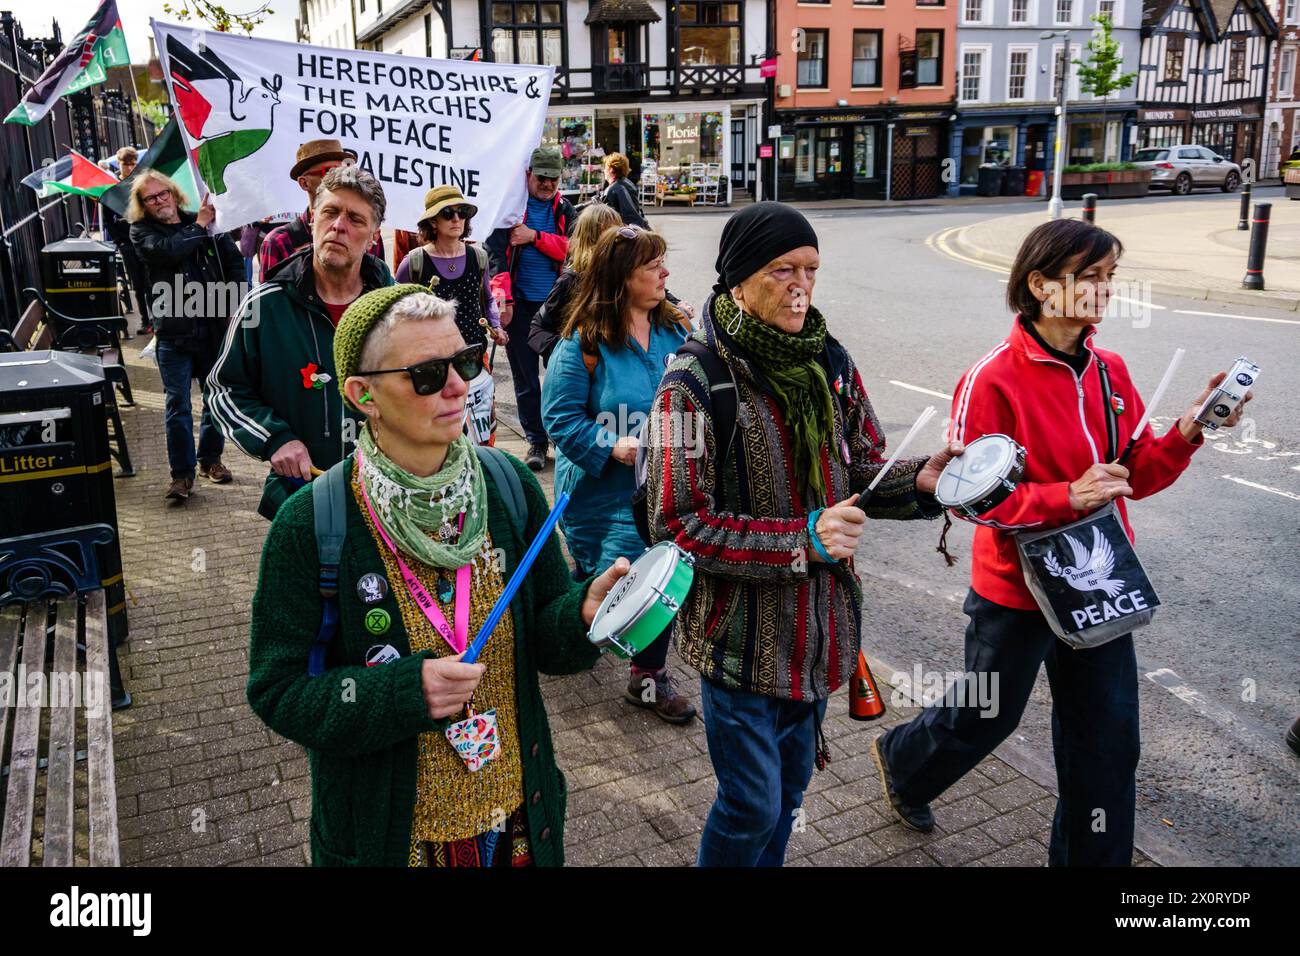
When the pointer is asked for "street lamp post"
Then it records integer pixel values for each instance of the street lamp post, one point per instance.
(1056, 208)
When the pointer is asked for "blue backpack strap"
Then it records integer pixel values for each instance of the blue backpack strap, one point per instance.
(509, 487)
(329, 507)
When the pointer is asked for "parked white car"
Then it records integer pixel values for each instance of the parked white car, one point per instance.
(1184, 167)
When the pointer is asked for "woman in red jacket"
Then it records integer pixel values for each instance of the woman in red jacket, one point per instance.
(1043, 388)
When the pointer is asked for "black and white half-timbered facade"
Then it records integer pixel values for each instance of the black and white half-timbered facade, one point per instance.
(1204, 75)
(665, 83)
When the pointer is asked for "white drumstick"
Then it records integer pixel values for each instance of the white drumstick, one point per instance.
(1151, 405)
(921, 422)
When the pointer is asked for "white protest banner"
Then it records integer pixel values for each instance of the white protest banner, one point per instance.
(246, 104)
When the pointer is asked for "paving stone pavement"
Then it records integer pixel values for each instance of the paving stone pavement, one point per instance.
(202, 782)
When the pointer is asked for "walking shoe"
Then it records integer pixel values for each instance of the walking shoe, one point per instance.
(916, 818)
(661, 696)
(536, 457)
(180, 489)
(1293, 737)
(216, 472)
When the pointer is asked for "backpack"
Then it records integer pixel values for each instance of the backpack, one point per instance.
(329, 494)
(416, 260)
(722, 398)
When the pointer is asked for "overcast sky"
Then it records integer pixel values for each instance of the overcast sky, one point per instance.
(35, 17)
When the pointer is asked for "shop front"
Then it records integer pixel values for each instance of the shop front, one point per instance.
(1231, 131)
(1159, 128)
(1001, 139)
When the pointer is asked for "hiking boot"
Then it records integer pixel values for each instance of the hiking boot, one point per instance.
(536, 457)
(919, 818)
(656, 692)
(216, 472)
(180, 489)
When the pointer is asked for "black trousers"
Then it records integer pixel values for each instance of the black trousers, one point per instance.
(1095, 736)
(524, 365)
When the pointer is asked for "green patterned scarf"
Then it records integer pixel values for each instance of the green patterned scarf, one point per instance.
(789, 362)
(420, 514)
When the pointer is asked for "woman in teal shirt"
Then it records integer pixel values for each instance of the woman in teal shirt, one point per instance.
(620, 333)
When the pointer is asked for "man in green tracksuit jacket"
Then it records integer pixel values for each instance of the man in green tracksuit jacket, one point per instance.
(272, 389)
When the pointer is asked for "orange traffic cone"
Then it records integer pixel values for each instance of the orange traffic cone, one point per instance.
(865, 702)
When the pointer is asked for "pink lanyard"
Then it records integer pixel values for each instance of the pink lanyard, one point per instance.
(420, 594)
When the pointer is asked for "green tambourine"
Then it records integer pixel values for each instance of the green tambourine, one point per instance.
(644, 601)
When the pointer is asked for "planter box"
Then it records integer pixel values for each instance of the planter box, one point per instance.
(1118, 184)
(1292, 179)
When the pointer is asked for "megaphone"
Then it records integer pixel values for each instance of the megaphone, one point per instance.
(865, 702)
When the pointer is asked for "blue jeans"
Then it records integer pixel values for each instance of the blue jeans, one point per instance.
(762, 750)
(1094, 730)
(178, 368)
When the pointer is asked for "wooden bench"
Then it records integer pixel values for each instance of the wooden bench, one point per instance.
(41, 782)
(43, 327)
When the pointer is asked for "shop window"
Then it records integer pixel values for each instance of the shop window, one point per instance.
(1237, 60)
(1019, 11)
(1064, 12)
(804, 142)
(929, 57)
(1017, 74)
(528, 32)
(673, 141)
(1175, 45)
(573, 136)
(866, 57)
(972, 72)
(812, 60)
(864, 152)
(710, 33)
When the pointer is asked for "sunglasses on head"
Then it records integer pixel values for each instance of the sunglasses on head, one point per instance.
(452, 212)
(628, 232)
(430, 376)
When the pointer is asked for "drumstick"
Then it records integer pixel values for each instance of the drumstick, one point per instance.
(922, 420)
(472, 652)
(1155, 400)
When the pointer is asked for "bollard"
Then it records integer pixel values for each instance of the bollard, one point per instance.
(1258, 241)
(1089, 207)
(1244, 214)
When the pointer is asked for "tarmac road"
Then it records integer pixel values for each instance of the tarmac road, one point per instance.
(1219, 665)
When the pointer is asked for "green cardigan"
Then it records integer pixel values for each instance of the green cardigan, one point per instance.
(360, 724)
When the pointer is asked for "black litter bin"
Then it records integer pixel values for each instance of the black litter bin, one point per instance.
(1013, 183)
(990, 181)
(80, 278)
(58, 513)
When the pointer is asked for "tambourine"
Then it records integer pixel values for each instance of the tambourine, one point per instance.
(644, 601)
(983, 476)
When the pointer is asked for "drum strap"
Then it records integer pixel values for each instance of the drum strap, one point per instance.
(329, 497)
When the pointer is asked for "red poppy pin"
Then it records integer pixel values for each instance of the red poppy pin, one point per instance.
(312, 378)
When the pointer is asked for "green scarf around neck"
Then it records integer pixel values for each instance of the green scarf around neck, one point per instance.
(789, 362)
(420, 514)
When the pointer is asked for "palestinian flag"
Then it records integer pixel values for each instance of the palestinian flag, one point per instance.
(100, 44)
(168, 156)
(73, 173)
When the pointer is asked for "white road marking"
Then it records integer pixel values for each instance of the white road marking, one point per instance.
(1145, 305)
(1251, 484)
(1229, 315)
(923, 391)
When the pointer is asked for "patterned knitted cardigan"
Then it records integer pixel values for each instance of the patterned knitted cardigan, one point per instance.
(760, 617)
(362, 737)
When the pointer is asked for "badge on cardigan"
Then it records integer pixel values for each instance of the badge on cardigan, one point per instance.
(476, 739)
(371, 588)
(381, 655)
(313, 377)
(1117, 403)
(378, 621)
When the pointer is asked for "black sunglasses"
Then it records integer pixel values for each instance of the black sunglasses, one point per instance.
(451, 211)
(431, 375)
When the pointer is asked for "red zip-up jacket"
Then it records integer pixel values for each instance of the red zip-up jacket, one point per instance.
(1021, 391)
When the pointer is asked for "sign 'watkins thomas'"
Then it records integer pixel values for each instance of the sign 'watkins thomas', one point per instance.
(246, 104)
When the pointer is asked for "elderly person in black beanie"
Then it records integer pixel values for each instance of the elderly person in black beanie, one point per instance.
(770, 516)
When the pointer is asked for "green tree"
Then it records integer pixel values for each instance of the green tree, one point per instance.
(1100, 74)
(217, 15)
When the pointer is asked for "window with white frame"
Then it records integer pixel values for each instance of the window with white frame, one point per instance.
(866, 57)
(1175, 47)
(1070, 72)
(1019, 11)
(1106, 8)
(972, 11)
(1017, 73)
(1286, 74)
(1064, 11)
(1292, 11)
(972, 73)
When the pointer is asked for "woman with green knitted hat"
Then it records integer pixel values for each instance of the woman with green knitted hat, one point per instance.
(769, 515)
(416, 757)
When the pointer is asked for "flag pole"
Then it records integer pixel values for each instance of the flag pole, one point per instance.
(145, 140)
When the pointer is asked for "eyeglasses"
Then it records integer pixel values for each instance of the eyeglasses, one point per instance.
(431, 376)
(156, 198)
(453, 212)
